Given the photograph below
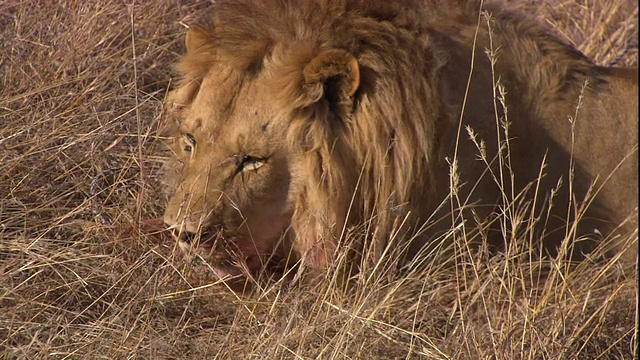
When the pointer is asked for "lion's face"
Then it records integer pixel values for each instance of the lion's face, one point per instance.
(251, 155)
(235, 176)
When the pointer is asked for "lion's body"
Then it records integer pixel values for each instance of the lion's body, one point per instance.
(301, 120)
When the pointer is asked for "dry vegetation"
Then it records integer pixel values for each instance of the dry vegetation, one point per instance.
(84, 276)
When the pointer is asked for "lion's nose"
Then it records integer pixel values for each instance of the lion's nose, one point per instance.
(169, 219)
(179, 220)
(181, 223)
(187, 210)
(179, 216)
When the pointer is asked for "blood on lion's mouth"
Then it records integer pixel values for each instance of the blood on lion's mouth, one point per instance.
(208, 248)
(224, 255)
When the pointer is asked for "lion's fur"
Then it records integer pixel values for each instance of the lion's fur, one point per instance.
(382, 155)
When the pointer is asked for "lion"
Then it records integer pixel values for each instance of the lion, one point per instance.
(297, 121)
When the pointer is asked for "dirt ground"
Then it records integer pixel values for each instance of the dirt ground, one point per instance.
(86, 275)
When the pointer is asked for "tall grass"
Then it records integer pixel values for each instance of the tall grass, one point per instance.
(86, 273)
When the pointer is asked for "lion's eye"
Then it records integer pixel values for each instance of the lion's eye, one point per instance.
(189, 143)
(247, 162)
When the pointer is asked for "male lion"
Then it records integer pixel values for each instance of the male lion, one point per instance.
(297, 120)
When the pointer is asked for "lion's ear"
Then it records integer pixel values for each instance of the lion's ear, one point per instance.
(333, 75)
(196, 37)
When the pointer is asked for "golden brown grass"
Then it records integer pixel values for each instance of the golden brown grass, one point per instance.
(84, 276)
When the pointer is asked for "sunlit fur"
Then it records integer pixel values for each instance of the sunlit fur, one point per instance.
(378, 160)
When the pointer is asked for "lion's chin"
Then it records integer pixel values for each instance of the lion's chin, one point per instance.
(223, 264)
(227, 273)
(240, 269)
(238, 277)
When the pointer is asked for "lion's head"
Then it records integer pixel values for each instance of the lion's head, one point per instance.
(295, 121)
(282, 132)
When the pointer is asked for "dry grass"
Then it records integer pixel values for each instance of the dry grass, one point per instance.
(83, 275)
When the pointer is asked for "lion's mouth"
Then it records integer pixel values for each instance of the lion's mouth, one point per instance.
(229, 256)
